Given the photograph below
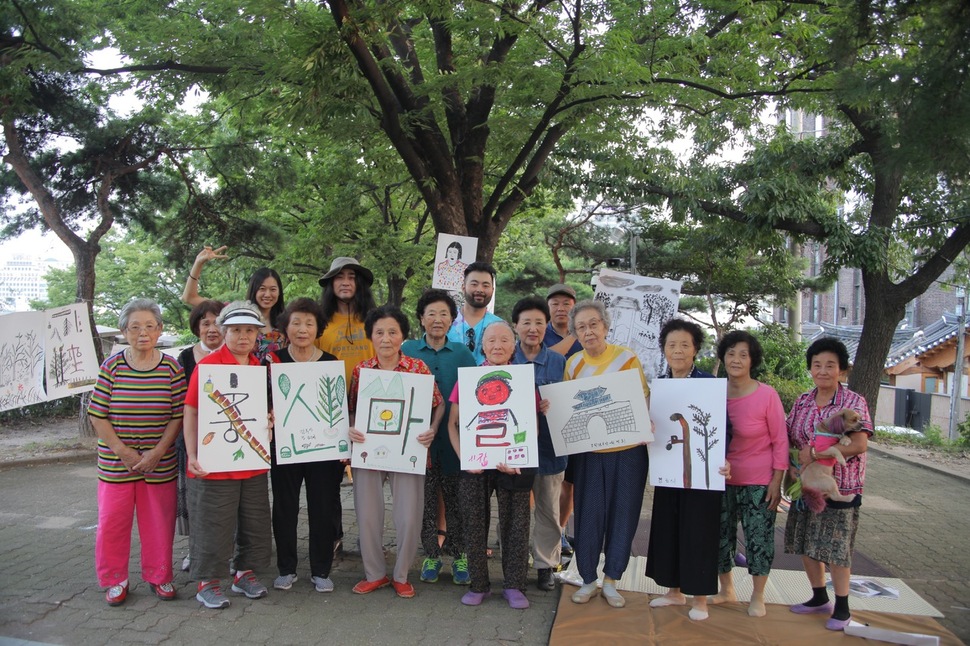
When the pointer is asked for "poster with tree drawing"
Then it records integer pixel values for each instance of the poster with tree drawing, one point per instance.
(393, 408)
(21, 359)
(233, 418)
(310, 411)
(691, 419)
(497, 406)
(638, 307)
(596, 413)
(71, 362)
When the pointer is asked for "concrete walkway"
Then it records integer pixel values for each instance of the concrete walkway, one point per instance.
(915, 521)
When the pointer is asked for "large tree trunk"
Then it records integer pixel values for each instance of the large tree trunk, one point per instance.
(884, 311)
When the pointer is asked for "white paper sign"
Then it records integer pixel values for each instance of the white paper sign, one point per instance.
(233, 418)
(22, 359)
(310, 410)
(393, 408)
(691, 419)
(638, 306)
(604, 412)
(497, 423)
(72, 363)
(452, 255)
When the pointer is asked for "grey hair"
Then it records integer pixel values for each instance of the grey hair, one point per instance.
(235, 306)
(501, 323)
(589, 304)
(139, 305)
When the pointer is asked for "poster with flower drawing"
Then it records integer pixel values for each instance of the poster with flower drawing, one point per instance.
(310, 411)
(21, 359)
(233, 418)
(497, 423)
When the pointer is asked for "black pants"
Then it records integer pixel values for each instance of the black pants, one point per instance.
(684, 536)
(323, 502)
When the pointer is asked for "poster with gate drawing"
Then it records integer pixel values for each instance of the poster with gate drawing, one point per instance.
(497, 422)
(393, 408)
(72, 362)
(638, 307)
(691, 419)
(595, 413)
(233, 418)
(310, 411)
(21, 359)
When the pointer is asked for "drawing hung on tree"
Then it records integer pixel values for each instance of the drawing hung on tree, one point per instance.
(233, 424)
(310, 411)
(393, 408)
(21, 359)
(497, 406)
(691, 419)
(638, 307)
(596, 413)
(72, 363)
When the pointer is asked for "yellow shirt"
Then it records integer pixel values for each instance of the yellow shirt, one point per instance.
(345, 339)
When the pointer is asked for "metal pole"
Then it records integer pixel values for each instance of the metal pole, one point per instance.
(633, 253)
(956, 393)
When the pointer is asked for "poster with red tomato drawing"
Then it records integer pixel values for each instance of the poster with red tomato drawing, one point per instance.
(497, 417)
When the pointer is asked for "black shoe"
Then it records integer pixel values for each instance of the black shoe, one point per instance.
(567, 549)
(547, 581)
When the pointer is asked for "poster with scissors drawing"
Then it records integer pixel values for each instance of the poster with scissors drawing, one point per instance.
(72, 362)
(638, 307)
(310, 411)
(21, 359)
(497, 423)
(393, 408)
(233, 418)
(595, 413)
(691, 419)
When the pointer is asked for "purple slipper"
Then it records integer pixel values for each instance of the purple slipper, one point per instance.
(837, 624)
(474, 598)
(824, 609)
(515, 598)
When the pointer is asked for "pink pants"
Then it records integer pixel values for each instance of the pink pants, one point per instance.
(117, 503)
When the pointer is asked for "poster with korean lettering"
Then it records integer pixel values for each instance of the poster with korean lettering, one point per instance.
(233, 418)
(691, 419)
(310, 411)
(393, 408)
(638, 307)
(21, 359)
(596, 413)
(72, 363)
(497, 417)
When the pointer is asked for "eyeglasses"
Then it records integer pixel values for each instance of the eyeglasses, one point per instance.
(136, 330)
(470, 336)
(592, 326)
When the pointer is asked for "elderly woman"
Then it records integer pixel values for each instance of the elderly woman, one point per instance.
(302, 322)
(608, 484)
(386, 328)
(511, 486)
(828, 538)
(684, 527)
(758, 455)
(230, 504)
(202, 322)
(136, 410)
(436, 311)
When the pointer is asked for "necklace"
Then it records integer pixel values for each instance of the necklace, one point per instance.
(142, 364)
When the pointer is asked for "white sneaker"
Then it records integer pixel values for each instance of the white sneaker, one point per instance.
(284, 581)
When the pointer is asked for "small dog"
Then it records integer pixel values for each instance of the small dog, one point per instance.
(818, 485)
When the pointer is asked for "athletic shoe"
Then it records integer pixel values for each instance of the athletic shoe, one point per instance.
(249, 585)
(366, 587)
(211, 596)
(474, 598)
(824, 609)
(284, 581)
(459, 571)
(116, 595)
(516, 599)
(430, 569)
(837, 624)
(322, 583)
(567, 549)
(164, 591)
(404, 590)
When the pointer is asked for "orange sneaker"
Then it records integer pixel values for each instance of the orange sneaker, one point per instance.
(366, 587)
(404, 590)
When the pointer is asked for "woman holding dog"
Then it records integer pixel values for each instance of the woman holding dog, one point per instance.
(827, 538)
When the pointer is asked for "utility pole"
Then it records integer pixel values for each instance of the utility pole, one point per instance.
(956, 394)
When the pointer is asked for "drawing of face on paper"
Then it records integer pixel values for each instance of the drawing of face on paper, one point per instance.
(233, 407)
(499, 421)
(393, 408)
(71, 360)
(452, 255)
(21, 359)
(310, 406)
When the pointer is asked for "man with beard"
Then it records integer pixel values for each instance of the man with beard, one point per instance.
(474, 316)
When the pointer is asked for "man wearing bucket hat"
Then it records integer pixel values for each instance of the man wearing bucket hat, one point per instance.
(346, 301)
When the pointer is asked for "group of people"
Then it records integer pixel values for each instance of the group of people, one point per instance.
(143, 399)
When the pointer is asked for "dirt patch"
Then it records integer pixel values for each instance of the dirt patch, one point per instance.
(58, 437)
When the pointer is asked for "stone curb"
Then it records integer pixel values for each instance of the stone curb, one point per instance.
(68, 456)
(902, 457)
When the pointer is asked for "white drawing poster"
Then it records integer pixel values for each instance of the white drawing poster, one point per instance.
(72, 362)
(310, 411)
(393, 408)
(497, 423)
(596, 413)
(233, 418)
(691, 419)
(452, 255)
(22, 359)
(638, 307)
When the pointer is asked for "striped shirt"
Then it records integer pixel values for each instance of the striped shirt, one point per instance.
(139, 404)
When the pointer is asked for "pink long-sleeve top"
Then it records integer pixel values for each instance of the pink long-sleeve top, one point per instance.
(759, 443)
